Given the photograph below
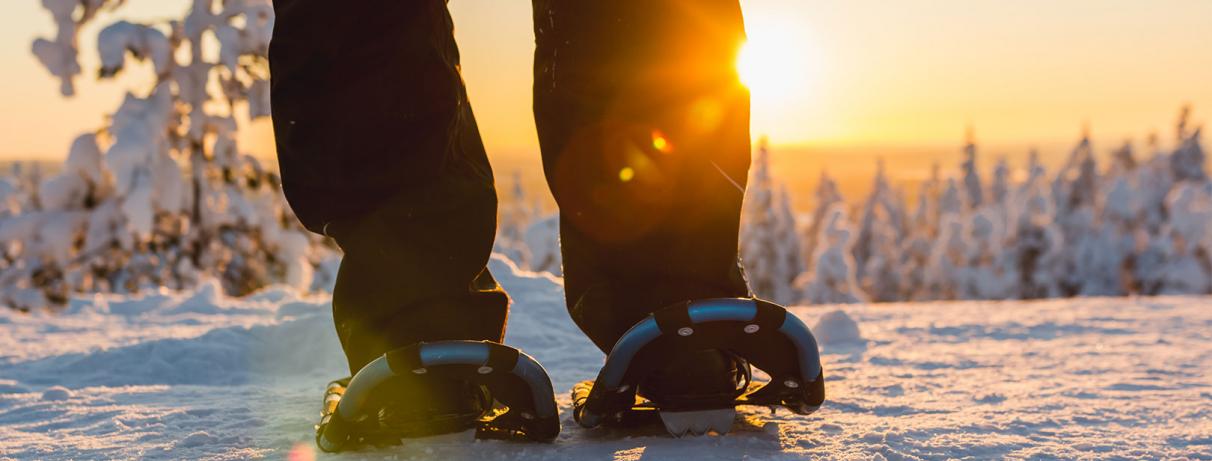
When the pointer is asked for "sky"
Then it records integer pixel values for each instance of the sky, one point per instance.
(856, 78)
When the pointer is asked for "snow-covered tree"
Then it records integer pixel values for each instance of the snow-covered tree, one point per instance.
(516, 213)
(870, 221)
(826, 195)
(788, 233)
(832, 279)
(160, 195)
(1154, 179)
(1188, 162)
(1135, 227)
(1035, 245)
(973, 188)
(944, 276)
(950, 202)
(915, 249)
(543, 245)
(1000, 189)
(769, 244)
(1188, 265)
(991, 274)
(882, 227)
(1123, 161)
(883, 280)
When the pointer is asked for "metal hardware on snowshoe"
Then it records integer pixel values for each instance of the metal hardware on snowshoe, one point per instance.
(513, 379)
(702, 422)
(763, 333)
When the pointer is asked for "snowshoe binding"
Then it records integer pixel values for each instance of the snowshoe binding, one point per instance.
(438, 388)
(707, 346)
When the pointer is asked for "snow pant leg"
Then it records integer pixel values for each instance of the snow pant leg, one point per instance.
(379, 149)
(644, 130)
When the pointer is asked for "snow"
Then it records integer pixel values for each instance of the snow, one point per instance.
(837, 328)
(115, 40)
(56, 394)
(200, 375)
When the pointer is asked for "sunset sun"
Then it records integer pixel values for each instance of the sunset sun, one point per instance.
(778, 63)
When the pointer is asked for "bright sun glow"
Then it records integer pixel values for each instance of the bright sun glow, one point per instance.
(778, 63)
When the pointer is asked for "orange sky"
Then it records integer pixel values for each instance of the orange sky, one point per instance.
(868, 75)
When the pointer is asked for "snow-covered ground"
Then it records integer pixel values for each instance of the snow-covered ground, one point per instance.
(201, 376)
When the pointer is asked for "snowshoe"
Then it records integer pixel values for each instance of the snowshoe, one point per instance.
(437, 388)
(747, 331)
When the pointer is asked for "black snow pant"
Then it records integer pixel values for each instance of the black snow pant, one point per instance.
(644, 133)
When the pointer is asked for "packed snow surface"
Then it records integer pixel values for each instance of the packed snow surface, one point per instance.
(198, 375)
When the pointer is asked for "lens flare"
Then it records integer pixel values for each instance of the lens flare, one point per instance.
(301, 452)
(626, 174)
(660, 142)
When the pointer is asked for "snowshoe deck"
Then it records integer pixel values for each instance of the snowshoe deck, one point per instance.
(763, 333)
(514, 392)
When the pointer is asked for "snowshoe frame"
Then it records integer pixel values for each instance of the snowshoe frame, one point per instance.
(763, 333)
(512, 378)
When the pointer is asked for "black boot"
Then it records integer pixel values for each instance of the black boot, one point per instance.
(439, 407)
(705, 376)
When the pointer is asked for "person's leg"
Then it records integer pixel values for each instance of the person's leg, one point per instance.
(379, 149)
(644, 130)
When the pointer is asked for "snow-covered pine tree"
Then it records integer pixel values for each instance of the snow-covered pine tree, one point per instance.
(543, 245)
(973, 188)
(1036, 173)
(788, 233)
(950, 202)
(1075, 184)
(1123, 161)
(883, 279)
(1188, 266)
(1074, 189)
(999, 191)
(926, 214)
(832, 280)
(915, 249)
(1084, 191)
(868, 222)
(768, 242)
(160, 195)
(1154, 179)
(944, 276)
(1188, 161)
(881, 229)
(1120, 227)
(516, 214)
(826, 195)
(1035, 244)
(990, 274)
(1098, 258)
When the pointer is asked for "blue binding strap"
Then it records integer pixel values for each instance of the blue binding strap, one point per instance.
(453, 353)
